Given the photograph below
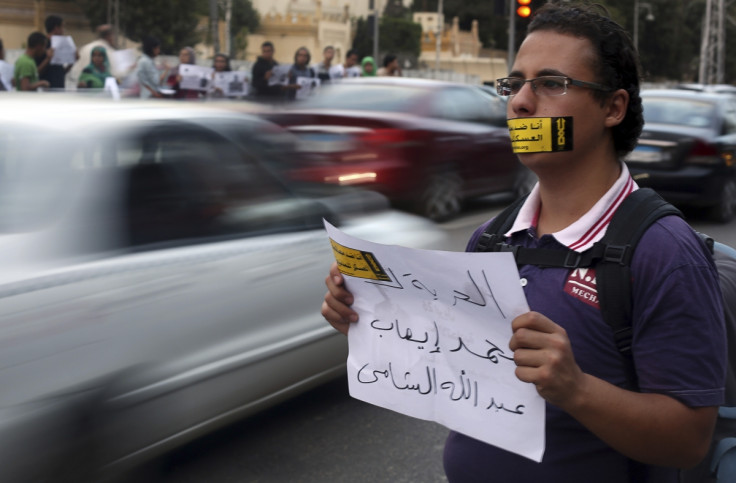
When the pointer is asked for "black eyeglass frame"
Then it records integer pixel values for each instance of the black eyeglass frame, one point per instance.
(567, 81)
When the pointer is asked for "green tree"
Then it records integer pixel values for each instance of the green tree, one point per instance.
(173, 22)
(396, 35)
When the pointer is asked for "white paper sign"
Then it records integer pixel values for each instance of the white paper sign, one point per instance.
(307, 87)
(353, 71)
(232, 83)
(111, 86)
(195, 77)
(432, 340)
(65, 52)
(6, 74)
(123, 60)
(337, 72)
(279, 75)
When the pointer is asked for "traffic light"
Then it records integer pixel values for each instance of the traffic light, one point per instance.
(524, 8)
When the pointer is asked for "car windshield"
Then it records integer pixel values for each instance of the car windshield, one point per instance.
(366, 97)
(681, 112)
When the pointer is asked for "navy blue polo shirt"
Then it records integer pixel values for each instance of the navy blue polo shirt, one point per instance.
(678, 346)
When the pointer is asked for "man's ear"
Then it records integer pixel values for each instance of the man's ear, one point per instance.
(617, 105)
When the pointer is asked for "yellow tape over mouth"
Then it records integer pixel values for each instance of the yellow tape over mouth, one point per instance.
(540, 134)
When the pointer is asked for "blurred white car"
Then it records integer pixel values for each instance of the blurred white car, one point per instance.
(158, 279)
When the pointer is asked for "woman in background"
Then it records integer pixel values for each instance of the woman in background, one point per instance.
(93, 76)
(186, 57)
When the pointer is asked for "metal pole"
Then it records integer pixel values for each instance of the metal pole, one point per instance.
(512, 34)
(438, 43)
(228, 21)
(375, 33)
(636, 26)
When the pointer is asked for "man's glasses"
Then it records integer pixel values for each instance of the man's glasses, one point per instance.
(546, 85)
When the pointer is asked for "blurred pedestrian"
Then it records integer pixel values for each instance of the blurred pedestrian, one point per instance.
(391, 67)
(106, 39)
(149, 78)
(26, 73)
(6, 71)
(221, 63)
(300, 69)
(322, 68)
(369, 67)
(351, 67)
(95, 74)
(55, 74)
(262, 72)
(187, 56)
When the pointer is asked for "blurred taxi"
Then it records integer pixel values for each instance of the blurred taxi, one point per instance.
(686, 149)
(158, 279)
(427, 145)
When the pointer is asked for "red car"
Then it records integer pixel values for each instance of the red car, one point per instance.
(426, 145)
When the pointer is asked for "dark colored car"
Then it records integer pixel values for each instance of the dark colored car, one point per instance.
(426, 145)
(686, 150)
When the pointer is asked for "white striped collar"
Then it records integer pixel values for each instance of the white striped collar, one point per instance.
(591, 227)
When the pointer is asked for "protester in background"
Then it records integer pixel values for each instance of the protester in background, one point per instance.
(6, 71)
(106, 39)
(351, 67)
(149, 77)
(26, 72)
(369, 67)
(262, 72)
(578, 65)
(186, 57)
(94, 75)
(390, 67)
(53, 73)
(323, 67)
(221, 63)
(300, 68)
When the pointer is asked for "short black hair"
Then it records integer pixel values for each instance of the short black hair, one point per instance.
(148, 44)
(309, 56)
(36, 39)
(328, 48)
(267, 43)
(223, 56)
(53, 21)
(352, 52)
(388, 58)
(617, 63)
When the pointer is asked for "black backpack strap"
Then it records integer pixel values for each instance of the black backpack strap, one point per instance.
(631, 220)
(492, 236)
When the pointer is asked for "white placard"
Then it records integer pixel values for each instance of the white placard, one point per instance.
(307, 86)
(65, 52)
(111, 86)
(337, 72)
(123, 60)
(279, 75)
(195, 77)
(432, 340)
(353, 71)
(232, 83)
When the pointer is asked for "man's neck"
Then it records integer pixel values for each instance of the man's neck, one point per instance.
(566, 197)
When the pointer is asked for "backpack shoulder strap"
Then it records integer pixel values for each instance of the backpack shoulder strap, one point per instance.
(493, 234)
(613, 272)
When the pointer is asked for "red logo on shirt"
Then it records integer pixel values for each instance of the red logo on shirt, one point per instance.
(581, 285)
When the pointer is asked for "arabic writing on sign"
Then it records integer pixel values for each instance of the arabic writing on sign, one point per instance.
(432, 340)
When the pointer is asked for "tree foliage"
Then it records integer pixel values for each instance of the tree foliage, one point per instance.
(396, 35)
(173, 22)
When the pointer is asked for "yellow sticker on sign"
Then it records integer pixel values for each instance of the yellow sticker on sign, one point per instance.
(540, 134)
(357, 263)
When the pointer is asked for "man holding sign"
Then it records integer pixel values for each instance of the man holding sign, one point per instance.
(575, 79)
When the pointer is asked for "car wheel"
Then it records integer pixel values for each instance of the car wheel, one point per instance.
(441, 199)
(725, 210)
(525, 181)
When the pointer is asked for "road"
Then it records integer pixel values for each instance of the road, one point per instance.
(325, 435)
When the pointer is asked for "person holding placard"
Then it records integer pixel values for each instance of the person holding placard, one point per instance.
(261, 73)
(299, 73)
(186, 57)
(577, 70)
(324, 68)
(48, 69)
(149, 78)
